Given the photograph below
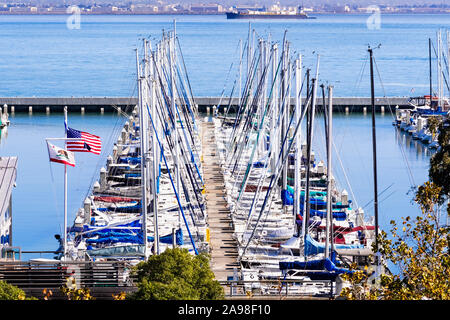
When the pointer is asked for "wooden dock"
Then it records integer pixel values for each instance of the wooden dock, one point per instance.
(223, 246)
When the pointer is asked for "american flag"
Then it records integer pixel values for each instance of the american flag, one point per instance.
(87, 143)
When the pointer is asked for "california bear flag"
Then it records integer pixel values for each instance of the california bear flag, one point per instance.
(60, 155)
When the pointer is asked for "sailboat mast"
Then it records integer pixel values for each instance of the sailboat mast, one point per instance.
(65, 191)
(448, 61)
(309, 145)
(142, 133)
(249, 48)
(274, 140)
(329, 172)
(155, 154)
(153, 173)
(308, 94)
(240, 71)
(285, 105)
(439, 68)
(374, 150)
(298, 141)
(175, 116)
(431, 79)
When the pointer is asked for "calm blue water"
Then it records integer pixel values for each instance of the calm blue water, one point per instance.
(39, 56)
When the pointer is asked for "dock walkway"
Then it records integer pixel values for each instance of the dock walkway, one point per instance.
(223, 246)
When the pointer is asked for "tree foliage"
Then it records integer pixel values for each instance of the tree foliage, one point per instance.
(176, 275)
(419, 250)
(10, 292)
(439, 171)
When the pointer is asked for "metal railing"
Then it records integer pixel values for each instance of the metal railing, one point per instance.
(281, 288)
(102, 278)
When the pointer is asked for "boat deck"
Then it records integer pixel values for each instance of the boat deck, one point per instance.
(223, 246)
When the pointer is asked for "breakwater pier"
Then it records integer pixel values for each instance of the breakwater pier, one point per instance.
(113, 104)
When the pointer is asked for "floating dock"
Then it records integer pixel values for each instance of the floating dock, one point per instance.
(223, 246)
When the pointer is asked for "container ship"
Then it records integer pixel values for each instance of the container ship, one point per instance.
(272, 14)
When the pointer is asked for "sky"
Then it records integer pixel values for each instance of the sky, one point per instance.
(262, 2)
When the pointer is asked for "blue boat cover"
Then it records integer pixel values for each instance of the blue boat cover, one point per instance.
(313, 247)
(338, 215)
(321, 264)
(287, 198)
(124, 208)
(258, 164)
(132, 160)
(128, 237)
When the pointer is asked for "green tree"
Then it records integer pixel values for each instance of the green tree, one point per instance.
(439, 171)
(176, 275)
(419, 250)
(10, 292)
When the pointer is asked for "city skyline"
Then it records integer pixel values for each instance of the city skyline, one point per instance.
(235, 2)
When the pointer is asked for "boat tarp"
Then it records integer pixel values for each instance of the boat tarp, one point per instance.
(321, 264)
(113, 199)
(168, 238)
(132, 160)
(135, 207)
(287, 198)
(338, 215)
(258, 164)
(124, 237)
(122, 251)
(313, 247)
(134, 224)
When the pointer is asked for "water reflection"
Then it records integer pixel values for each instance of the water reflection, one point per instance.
(3, 134)
(422, 151)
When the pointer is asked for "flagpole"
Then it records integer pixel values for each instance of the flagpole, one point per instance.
(65, 190)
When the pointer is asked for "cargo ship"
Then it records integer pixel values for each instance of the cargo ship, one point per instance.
(259, 14)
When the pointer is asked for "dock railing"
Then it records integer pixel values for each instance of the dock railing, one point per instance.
(103, 279)
(279, 288)
(107, 278)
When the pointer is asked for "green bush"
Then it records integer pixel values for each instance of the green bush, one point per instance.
(10, 292)
(176, 275)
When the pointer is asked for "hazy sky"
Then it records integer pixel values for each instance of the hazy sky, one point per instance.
(262, 2)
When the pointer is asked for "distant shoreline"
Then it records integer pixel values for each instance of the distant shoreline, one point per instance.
(193, 14)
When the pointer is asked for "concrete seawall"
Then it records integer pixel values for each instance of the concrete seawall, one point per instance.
(111, 104)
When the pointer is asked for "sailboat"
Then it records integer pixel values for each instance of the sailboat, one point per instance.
(431, 105)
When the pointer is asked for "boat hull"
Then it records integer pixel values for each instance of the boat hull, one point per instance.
(233, 15)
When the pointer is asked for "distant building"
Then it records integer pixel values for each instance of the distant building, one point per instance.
(19, 10)
(8, 173)
(206, 8)
(142, 9)
(57, 10)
